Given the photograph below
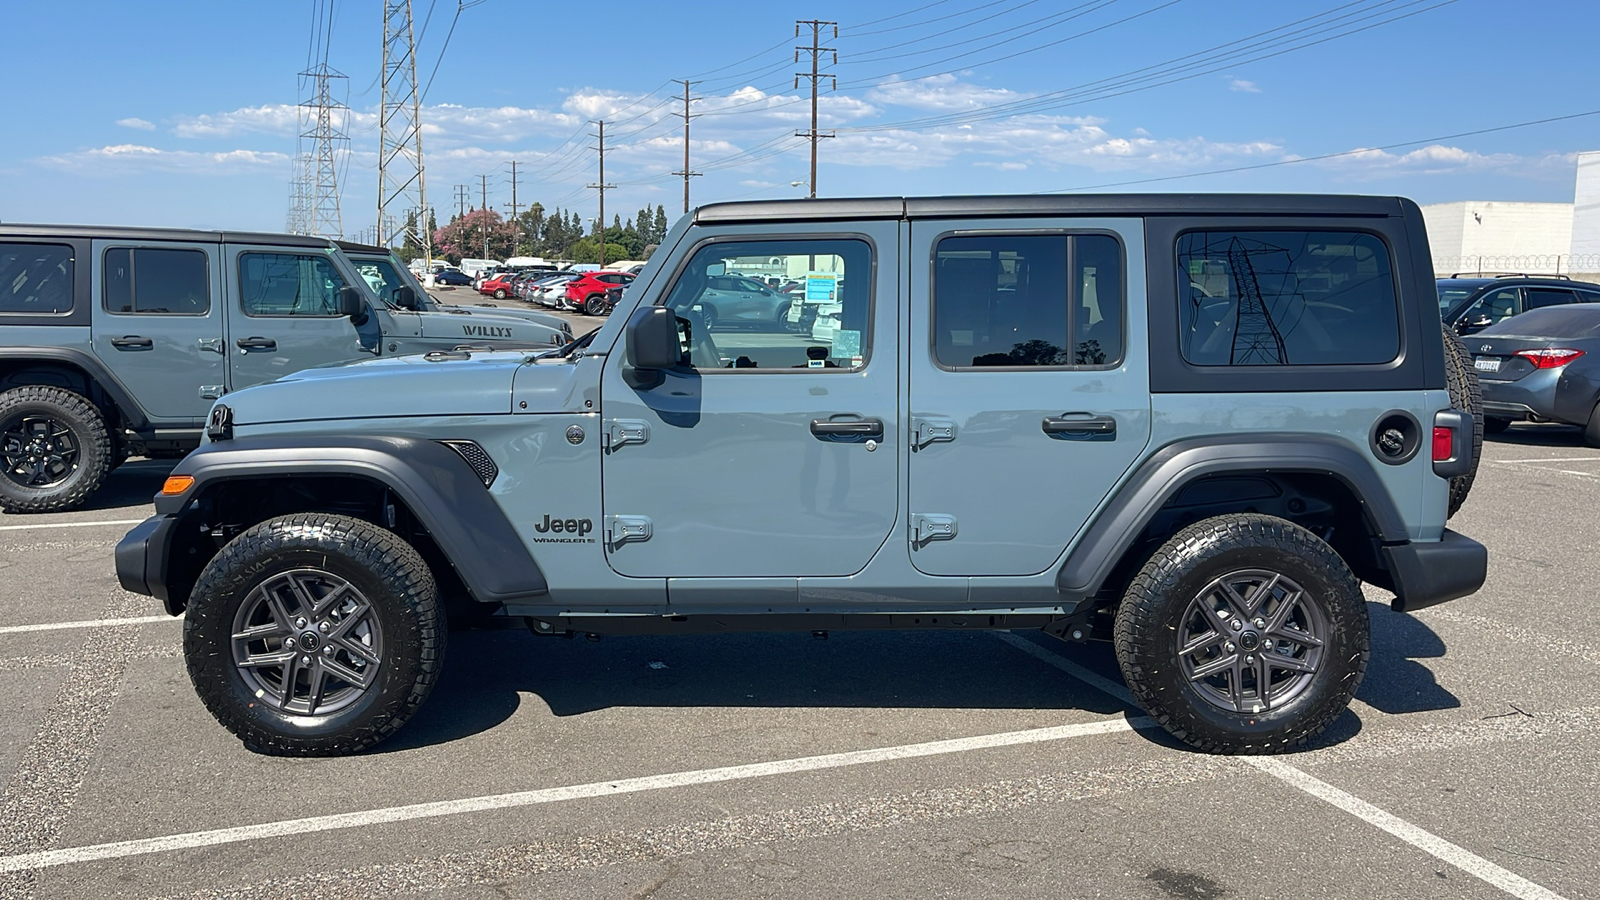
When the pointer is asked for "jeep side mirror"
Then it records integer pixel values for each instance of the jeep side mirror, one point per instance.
(351, 303)
(405, 297)
(653, 339)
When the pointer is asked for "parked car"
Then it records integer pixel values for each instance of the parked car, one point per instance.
(497, 286)
(1021, 424)
(739, 300)
(587, 293)
(454, 277)
(1542, 366)
(1470, 305)
(552, 291)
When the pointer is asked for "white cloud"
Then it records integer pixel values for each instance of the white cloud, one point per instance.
(940, 92)
(122, 159)
(281, 119)
(138, 123)
(1244, 87)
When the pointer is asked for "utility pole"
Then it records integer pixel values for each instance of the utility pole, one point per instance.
(816, 50)
(515, 225)
(483, 196)
(601, 186)
(401, 180)
(686, 117)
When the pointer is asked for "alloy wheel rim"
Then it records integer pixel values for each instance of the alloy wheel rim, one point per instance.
(39, 451)
(1251, 641)
(307, 642)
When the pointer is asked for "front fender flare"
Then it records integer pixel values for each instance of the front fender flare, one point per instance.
(1161, 476)
(436, 484)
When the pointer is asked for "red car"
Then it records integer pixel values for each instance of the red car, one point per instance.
(498, 287)
(587, 293)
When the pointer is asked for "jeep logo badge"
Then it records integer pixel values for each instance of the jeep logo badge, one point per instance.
(579, 527)
(574, 434)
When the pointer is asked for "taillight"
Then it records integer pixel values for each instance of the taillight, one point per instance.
(1549, 358)
(1443, 443)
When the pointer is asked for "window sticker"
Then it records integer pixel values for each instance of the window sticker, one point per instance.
(821, 287)
(846, 344)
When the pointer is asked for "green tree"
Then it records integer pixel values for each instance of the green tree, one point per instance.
(587, 251)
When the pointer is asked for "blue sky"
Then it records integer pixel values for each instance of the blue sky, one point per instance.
(182, 113)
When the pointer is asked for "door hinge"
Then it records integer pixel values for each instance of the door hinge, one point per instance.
(929, 527)
(931, 431)
(215, 345)
(625, 529)
(625, 431)
(210, 391)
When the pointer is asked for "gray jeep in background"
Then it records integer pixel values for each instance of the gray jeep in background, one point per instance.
(1191, 425)
(116, 341)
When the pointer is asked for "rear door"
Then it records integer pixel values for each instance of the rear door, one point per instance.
(1028, 399)
(158, 324)
(285, 315)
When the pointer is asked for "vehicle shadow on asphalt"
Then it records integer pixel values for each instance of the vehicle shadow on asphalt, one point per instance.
(1396, 682)
(1531, 435)
(134, 483)
(486, 670)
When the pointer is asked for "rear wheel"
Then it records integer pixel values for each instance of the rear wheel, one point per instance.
(1591, 432)
(1243, 634)
(1495, 424)
(1466, 394)
(314, 635)
(594, 304)
(55, 449)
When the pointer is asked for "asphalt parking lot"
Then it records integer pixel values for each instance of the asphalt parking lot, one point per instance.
(865, 765)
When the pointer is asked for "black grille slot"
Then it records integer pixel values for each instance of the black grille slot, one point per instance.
(477, 458)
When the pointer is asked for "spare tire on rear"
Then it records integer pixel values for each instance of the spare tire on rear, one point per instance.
(1466, 395)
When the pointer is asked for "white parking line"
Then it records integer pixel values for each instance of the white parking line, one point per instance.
(87, 623)
(121, 849)
(69, 524)
(1424, 840)
(1553, 459)
(1506, 465)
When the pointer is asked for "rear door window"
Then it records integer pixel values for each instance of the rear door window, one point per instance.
(1280, 298)
(35, 278)
(157, 281)
(1539, 298)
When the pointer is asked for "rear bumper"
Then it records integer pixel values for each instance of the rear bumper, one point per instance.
(1427, 574)
(141, 558)
(1533, 394)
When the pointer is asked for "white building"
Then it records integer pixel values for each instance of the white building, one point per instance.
(1471, 236)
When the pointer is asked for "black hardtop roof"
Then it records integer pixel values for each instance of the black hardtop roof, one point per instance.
(1001, 205)
(353, 247)
(136, 233)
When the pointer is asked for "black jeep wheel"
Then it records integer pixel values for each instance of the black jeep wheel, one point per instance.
(594, 304)
(1466, 394)
(54, 449)
(314, 635)
(1243, 634)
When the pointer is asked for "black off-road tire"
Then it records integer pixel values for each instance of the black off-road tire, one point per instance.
(389, 574)
(1466, 394)
(1495, 424)
(95, 449)
(1149, 623)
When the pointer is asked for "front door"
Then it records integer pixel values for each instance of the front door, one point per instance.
(1030, 393)
(158, 324)
(771, 451)
(286, 314)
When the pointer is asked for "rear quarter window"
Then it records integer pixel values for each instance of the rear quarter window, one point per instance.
(35, 278)
(1285, 298)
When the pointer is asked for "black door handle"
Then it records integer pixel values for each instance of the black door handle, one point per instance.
(847, 428)
(257, 343)
(1079, 425)
(132, 342)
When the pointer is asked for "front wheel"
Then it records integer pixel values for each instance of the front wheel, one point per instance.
(1243, 634)
(314, 635)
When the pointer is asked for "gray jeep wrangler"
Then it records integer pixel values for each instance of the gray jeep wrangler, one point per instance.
(115, 341)
(1191, 425)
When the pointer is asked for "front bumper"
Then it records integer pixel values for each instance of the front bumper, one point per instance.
(1427, 574)
(142, 560)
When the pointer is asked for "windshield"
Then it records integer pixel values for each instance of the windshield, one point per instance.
(1449, 297)
(385, 278)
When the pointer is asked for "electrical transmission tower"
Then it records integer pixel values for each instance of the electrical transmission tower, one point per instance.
(686, 117)
(461, 200)
(816, 50)
(1256, 340)
(317, 115)
(401, 181)
(602, 187)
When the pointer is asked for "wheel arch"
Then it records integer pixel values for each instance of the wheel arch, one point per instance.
(1317, 482)
(74, 369)
(399, 483)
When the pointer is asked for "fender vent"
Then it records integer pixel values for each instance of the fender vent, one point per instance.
(477, 458)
